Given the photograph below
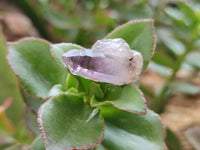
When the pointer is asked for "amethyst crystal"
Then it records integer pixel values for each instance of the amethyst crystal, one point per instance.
(109, 60)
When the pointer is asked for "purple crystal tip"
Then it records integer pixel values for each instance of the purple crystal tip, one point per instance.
(109, 60)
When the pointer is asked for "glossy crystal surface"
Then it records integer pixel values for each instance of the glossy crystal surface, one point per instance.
(109, 60)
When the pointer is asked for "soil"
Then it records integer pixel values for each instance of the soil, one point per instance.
(14, 23)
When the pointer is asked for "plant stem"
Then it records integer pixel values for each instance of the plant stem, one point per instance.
(161, 98)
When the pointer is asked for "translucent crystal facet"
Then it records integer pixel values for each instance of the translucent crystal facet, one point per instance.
(109, 60)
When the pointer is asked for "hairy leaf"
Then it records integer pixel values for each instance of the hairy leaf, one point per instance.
(38, 144)
(128, 131)
(140, 36)
(33, 103)
(33, 64)
(68, 123)
(59, 89)
(127, 98)
(31, 121)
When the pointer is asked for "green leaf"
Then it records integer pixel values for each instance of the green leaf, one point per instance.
(59, 89)
(79, 83)
(184, 15)
(186, 88)
(56, 90)
(59, 49)
(189, 15)
(31, 121)
(175, 15)
(72, 82)
(100, 147)
(33, 103)
(83, 84)
(127, 98)
(58, 20)
(128, 131)
(172, 141)
(140, 36)
(68, 123)
(38, 143)
(162, 70)
(176, 46)
(95, 90)
(163, 59)
(138, 10)
(193, 59)
(196, 44)
(9, 86)
(33, 64)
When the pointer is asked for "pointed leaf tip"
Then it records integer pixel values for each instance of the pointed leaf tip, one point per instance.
(140, 35)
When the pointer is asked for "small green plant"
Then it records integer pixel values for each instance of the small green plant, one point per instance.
(78, 113)
(177, 48)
